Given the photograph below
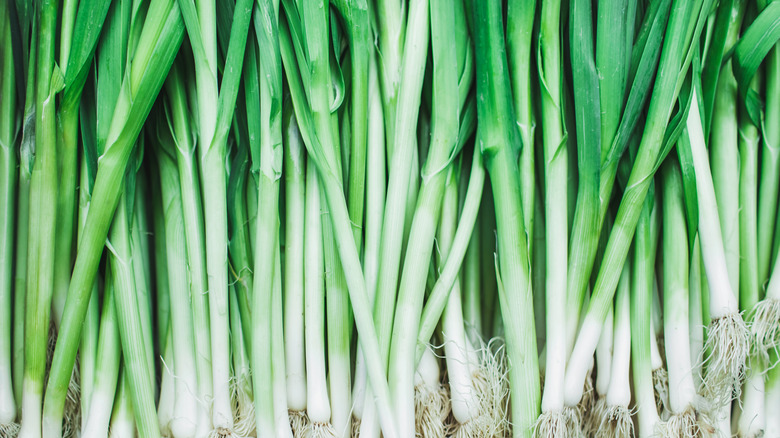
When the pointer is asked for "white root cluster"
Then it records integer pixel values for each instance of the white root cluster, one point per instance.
(728, 341)
(589, 401)
(591, 419)
(243, 407)
(688, 424)
(319, 430)
(299, 421)
(9, 430)
(560, 424)
(430, 410)
(492, 396)
(765, 326)
(661, 388)
(616, 423)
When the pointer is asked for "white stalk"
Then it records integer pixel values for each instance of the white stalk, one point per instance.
(752, 418)
(282, 419)
(728, 340)
(604, 355)
(122, 421)
(695, 322)
(619, 392)
(429, 399)
(295, 186)
(616, 418)
(772, 403)
(167, 404)
(318, 405)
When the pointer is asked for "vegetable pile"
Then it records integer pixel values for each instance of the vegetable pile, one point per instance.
(406, 218)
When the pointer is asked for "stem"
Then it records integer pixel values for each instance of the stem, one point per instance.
(184, 422)
(8, 181)
(194, 238)
(338, 329)
(641, 332)
(295, 198)
(556, 210)
(98, 416)
(134, 343)
(682, 391)
(402, 139)
(318, 404)
(43, 220)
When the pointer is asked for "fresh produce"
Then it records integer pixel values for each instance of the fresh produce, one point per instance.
(365, 218)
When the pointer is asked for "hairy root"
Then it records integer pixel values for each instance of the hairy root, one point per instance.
(431, 409)
(728, 341)
(688, 424)
(591, 419)
(9, 430)
(661, 387)
(72, 412)
(561, 424)
(616, 423)
(319, 430)
(243, 406)
(299, 421)
(765, 327)
(589, 398)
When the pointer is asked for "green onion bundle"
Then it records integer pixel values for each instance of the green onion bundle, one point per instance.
(365, 218)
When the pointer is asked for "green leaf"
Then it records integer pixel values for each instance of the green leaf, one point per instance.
(749, 53)
(90, 17)
(641, 85)
(587, 106)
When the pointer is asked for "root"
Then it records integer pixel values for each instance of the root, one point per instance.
(561, 424)
(355, 430)
(689, 424)
(616, 423)
(222, 432)
(591, 419)
(430, 411)
(320, 430)
(588, 401)
(661, 387)
(72, 411)
(9, 430)
(492, 388)
(243, 407)
(299, 421)
(765, 327)
(728, 341)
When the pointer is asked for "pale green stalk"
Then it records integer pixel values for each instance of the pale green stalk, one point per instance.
(194, 238)
(500, 142)
(184, 422)
(215, 113)
(122, 424)
(23, 225)
(8, 181)
(555, 202)
(519, 38)
(42, 220)
(375, 204)
(295, 198)
(98, 415)
(641, 332)
(130, 320)
(724, 154)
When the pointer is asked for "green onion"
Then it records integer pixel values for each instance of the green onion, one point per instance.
(8, 181)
